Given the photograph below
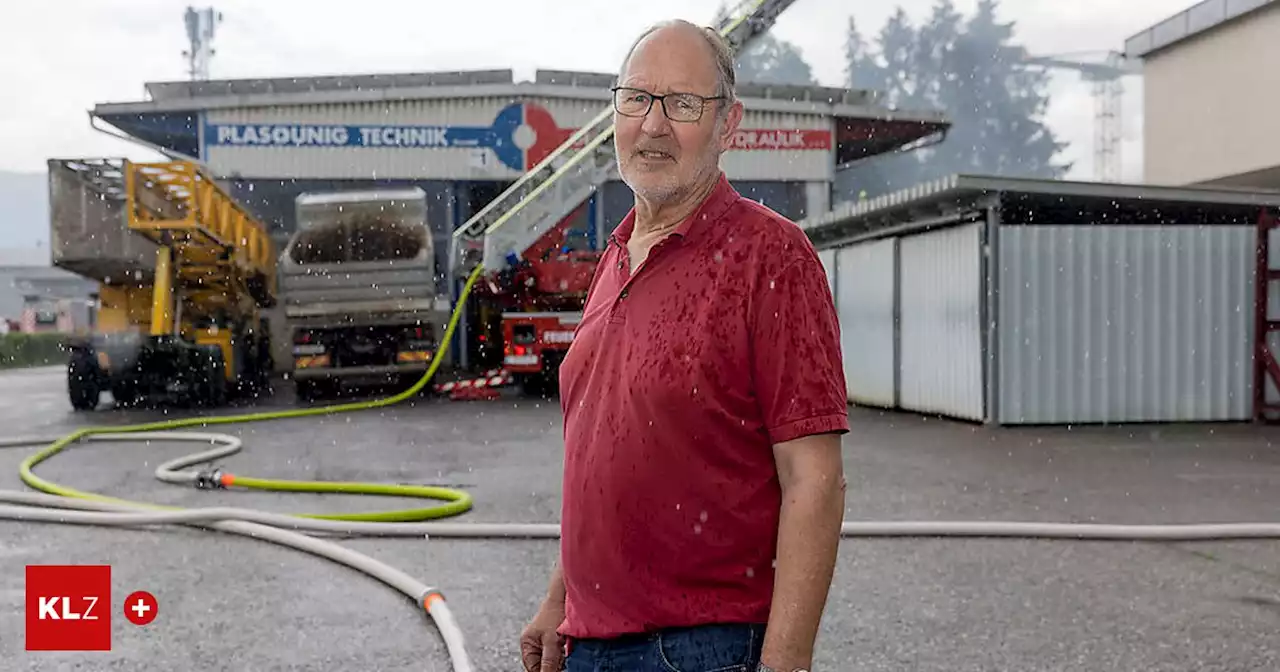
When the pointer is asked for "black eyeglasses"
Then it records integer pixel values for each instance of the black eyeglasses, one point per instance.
(682, 107)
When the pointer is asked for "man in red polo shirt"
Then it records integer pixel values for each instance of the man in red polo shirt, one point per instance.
(703, 401)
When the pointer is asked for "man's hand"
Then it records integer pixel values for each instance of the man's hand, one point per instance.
(541, 647)
(812, 475)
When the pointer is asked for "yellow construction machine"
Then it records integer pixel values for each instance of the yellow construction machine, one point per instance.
(185, 274)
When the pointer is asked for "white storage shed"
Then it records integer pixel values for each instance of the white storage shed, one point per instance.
(1015, 301)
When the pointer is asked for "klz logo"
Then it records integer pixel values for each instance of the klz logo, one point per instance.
(68, 607)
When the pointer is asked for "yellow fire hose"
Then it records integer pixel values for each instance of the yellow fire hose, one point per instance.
(457, 501)
(98, 509)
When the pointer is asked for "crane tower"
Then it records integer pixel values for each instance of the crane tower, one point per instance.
(1106, 76)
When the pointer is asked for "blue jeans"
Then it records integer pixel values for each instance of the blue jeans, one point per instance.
(706, 648)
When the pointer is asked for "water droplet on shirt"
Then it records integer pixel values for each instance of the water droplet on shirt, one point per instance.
(703, 516)
(678, 507)
(597, 586)
(770, 284)
(719, 257)
(697, 528)
(751, 572)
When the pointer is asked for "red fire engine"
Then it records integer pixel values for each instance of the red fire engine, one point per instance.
(541, 301)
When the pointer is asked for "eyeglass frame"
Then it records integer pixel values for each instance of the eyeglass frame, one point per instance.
(663, 99)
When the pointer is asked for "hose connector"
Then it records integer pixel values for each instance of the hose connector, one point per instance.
(209, 479)
(431, 598)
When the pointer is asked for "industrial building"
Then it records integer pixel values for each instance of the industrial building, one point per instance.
(35, 297)
(463, 137)
(1019, 301)
(1211, 91)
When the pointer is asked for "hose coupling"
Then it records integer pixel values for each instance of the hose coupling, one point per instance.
(209, 479)
(431, 597)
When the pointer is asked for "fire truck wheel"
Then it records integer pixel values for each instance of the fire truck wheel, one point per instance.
(532, 385)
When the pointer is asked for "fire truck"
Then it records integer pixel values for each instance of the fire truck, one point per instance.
(540, 301)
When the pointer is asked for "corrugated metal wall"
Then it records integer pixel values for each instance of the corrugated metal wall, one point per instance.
(941, 335)
(464, 163)
(865, 278)
(828, 259)
(1125, 323)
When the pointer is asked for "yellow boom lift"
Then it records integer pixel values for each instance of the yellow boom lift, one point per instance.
(185, 325)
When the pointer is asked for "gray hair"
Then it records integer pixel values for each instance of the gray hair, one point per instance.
(726, 75)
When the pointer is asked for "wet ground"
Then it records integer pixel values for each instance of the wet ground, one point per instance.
(957, 605)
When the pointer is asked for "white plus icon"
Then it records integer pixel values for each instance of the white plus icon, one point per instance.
(140, 607)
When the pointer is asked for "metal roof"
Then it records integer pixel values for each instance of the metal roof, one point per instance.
(361, 196)
(186, 90)
(1034, 201)
(1201, 18)
(591, 86)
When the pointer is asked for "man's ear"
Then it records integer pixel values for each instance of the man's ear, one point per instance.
(732, 121)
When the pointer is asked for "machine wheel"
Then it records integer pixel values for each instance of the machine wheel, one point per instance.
(306, 390)
(215, 389)
(265, 362)
(125, 394)
(533, 385)
(83, 387)
(312, 389)
(253, 377)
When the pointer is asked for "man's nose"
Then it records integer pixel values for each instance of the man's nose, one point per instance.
(656, 122)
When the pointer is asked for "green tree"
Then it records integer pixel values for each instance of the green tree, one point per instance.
(973, 71)
(770, 60)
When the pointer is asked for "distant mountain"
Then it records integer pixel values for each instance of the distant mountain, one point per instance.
(24, 210)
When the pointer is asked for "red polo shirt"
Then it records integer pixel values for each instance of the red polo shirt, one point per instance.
(681, 377)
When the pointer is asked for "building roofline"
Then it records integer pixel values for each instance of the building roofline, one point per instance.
(951, 198)
(189, 90)
(168, 97)
(1201, 18)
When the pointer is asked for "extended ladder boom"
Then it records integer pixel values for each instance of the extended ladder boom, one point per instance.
(500, 233)
(209, 246)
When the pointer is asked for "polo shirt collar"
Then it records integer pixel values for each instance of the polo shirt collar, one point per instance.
(712, 207)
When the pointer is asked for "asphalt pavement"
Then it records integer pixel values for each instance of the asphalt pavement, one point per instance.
(233, 603)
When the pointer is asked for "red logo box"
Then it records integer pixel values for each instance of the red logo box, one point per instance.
(68, 607)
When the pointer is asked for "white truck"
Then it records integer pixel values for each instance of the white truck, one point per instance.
(358, 284)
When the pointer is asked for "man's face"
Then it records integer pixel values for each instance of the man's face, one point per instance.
(661, 159)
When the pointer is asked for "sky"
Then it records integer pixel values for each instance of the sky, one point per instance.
(60, 57)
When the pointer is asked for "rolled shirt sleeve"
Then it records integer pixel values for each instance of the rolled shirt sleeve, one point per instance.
(796, 362)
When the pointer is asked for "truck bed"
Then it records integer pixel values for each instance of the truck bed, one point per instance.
(381, 282)
(360, 258)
